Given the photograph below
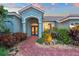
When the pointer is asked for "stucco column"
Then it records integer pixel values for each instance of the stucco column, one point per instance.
(40, 30)
(24, 26)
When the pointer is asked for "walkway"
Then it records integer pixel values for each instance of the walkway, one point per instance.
(29, 48)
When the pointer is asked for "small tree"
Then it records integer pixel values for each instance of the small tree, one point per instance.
(3, 16)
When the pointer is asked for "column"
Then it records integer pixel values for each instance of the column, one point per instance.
(40, 30)
(24, 26)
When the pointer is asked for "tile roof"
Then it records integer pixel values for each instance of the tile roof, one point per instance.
(30, 6)
(53, 18)
(14, 13)
(66, 18)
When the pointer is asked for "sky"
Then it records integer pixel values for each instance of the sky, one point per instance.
(56, 9)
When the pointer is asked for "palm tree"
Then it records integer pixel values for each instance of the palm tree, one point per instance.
(3, 16)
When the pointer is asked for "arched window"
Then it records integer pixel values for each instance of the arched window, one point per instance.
(9, 25)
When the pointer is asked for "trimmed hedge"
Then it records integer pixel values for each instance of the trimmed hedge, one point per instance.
(20, 36)
(9, 40)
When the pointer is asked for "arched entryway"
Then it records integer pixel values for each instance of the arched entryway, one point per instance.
(32, 26)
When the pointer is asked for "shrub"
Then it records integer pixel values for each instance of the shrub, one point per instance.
(40, 41)
(20, 36)
(7, 30)
(76, 27)
(10, 40)
(53, 32)
(63, 36)
(74, 34)
(47, 37)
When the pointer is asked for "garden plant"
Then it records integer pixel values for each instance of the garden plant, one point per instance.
(74, 35)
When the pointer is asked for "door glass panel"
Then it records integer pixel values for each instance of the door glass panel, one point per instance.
(36, 28)
(32, 29)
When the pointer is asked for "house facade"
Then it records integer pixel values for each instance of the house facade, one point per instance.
(31, 20)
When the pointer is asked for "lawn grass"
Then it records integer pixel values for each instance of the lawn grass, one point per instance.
(3, 51)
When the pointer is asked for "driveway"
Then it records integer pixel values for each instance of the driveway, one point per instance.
(29, 48)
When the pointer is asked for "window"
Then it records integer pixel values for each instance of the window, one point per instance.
(76, 23)
(72, 24)
(45, 26)
(50, 26)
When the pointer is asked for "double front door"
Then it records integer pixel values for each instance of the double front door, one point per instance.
(34, 30)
